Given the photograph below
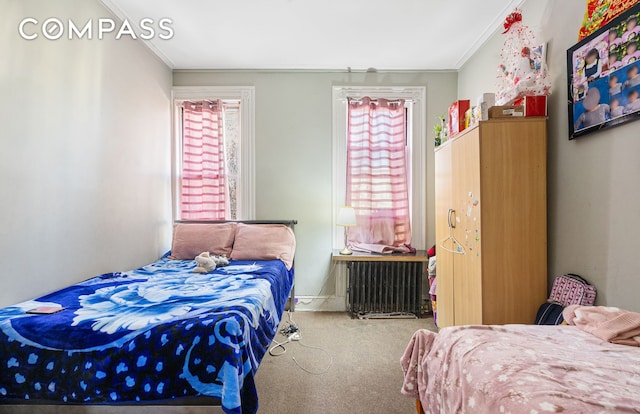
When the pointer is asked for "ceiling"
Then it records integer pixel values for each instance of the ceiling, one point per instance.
(325, 35)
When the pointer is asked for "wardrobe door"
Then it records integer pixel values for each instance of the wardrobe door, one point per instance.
(444, 266)
(467, 219)
(514, 217)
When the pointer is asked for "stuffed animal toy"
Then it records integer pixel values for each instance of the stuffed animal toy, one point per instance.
(206, 263)
(221, 260)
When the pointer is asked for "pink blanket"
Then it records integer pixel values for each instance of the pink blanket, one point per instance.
(411, 362)
(520, 369)
(610, 324)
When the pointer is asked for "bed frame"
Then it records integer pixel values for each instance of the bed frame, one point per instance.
(35, 408)
(190, 405)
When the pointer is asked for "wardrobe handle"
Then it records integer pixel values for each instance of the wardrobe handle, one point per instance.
(451, 223)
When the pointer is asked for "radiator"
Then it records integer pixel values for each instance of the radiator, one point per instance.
(385, 288)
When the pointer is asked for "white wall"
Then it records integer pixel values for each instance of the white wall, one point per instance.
(594, 202)
(85, 153)
(293, 151)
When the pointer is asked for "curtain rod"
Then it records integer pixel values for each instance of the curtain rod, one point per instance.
(374, 100)
(210, 100)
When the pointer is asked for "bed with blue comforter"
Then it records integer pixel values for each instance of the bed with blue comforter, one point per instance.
(159, 333)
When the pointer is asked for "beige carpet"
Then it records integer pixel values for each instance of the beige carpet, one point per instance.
(365, 376)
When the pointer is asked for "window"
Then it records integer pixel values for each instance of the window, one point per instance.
(411, 117)
(232, 131)
(213, 153)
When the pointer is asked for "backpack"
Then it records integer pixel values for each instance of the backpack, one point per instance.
(550, 314)
(572, 289)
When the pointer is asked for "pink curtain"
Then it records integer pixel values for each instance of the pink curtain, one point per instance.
(377, 184)
(204, 185)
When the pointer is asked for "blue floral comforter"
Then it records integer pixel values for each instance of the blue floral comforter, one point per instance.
(153, 334)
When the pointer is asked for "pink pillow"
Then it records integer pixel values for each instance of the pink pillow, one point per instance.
(264, 242)
(191, 239)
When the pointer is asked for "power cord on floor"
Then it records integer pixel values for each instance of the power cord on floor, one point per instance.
(325, 370)
(279, 345)
(289, 331)
(293, 333)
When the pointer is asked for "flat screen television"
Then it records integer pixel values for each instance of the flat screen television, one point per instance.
(603, 72)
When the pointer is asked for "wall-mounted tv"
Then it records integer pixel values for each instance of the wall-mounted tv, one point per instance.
(604, 76)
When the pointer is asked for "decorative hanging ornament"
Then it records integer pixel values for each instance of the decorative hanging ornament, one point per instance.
(522, 70)
(514, 17)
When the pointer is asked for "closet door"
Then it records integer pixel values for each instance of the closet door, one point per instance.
(444, 264)
(514, 217)
(467, 282)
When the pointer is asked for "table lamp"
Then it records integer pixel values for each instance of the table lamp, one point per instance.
(346, 218)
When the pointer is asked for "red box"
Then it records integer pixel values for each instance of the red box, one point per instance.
(456, 116)
(533, 105)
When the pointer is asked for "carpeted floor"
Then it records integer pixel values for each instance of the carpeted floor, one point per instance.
(365, 375)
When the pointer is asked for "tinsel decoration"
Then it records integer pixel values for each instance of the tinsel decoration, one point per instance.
(522, 70)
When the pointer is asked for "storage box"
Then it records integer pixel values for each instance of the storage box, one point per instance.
(533, 105)
(484, 102)
(456, 116)
(507, 111)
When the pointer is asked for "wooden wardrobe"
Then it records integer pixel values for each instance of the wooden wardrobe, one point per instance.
(491, 223)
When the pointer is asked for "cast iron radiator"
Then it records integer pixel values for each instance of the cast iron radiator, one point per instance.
(385, 288)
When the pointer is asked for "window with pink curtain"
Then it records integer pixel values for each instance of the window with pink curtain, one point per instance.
(203, 182)
(377, 181)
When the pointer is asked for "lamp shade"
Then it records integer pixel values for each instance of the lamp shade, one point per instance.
(346, 217)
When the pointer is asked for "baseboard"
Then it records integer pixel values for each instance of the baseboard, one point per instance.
(321, 303)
